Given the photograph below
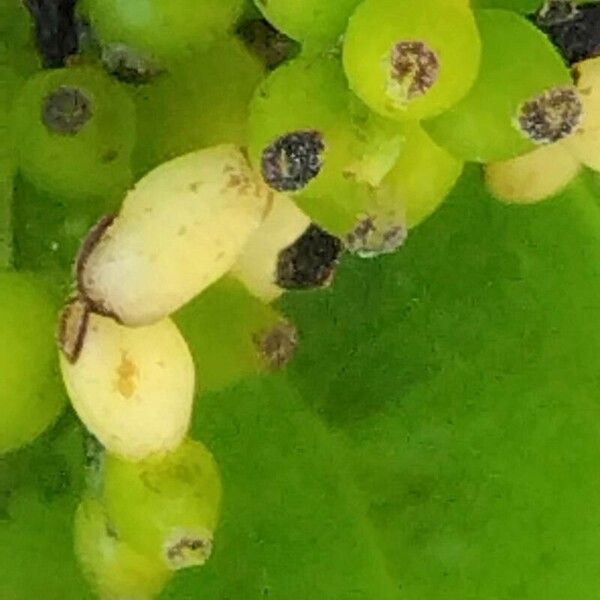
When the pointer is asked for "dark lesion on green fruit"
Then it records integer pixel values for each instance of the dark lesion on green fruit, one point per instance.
(291, 161)
(414, 69)
(278, 345)
(67, 110)
(551, 116)
(270, 45)
(128, 65)
(373, 237)
(309, 262)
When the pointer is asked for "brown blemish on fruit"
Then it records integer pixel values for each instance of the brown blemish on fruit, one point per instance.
(189, 550)
(551, 116)
(278, 345)
(66, 110)
(129, 65)
(72, 328)
(373, 237)
(415, 68)
(94, 237)
(127, 374)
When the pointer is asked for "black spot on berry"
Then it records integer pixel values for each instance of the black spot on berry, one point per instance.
(574, 30)
(270, 45)
(310, 261)
(56, 30)
(66, 110)
(293, 160)
(551, 116)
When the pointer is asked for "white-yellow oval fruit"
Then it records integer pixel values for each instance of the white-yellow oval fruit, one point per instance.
(179, 230)
(133, 388)
(532, 177)
(256, 267)
(584, 144)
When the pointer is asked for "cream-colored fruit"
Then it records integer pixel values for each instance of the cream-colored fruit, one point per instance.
(256, 267)
(584, 144)
(180, 229)
(532, 177)
(132, 388)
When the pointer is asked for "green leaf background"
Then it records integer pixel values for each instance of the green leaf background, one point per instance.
(437, 438)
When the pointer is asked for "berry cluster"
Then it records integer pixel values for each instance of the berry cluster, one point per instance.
(172, 168)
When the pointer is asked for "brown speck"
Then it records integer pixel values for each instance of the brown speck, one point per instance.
(278, 345)
(189, 551)
(415, 68)
(127, 373)
(72, 328)
(373, 237)
(109, 156)
(66, 110)
(195, 187)
(551, 116)
(182, 230)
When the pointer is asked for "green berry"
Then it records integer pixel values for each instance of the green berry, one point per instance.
(310, 137)
(197, 103)
(512, 106)
(315, 23)
(75, 129)
(162, 28)
(114, 570)
(414, 188)
(31, 397)
(409, 59)
(166, 507)
(254, 338)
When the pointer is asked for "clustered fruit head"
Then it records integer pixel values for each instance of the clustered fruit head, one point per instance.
(210, 217)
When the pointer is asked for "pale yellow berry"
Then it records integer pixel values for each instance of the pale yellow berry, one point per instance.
(585, 143)
(132, 388)
(179, 230)
(532, 177)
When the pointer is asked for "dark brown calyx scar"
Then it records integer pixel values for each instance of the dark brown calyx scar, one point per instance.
(373, 237)
(128, 65)
(66, 110)
(270, 45)
(292, 160)
(72, 328)
(82, 275)
(310, 261)
(551, 116)
(278, 345)
(56, 30)
(415, 68)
